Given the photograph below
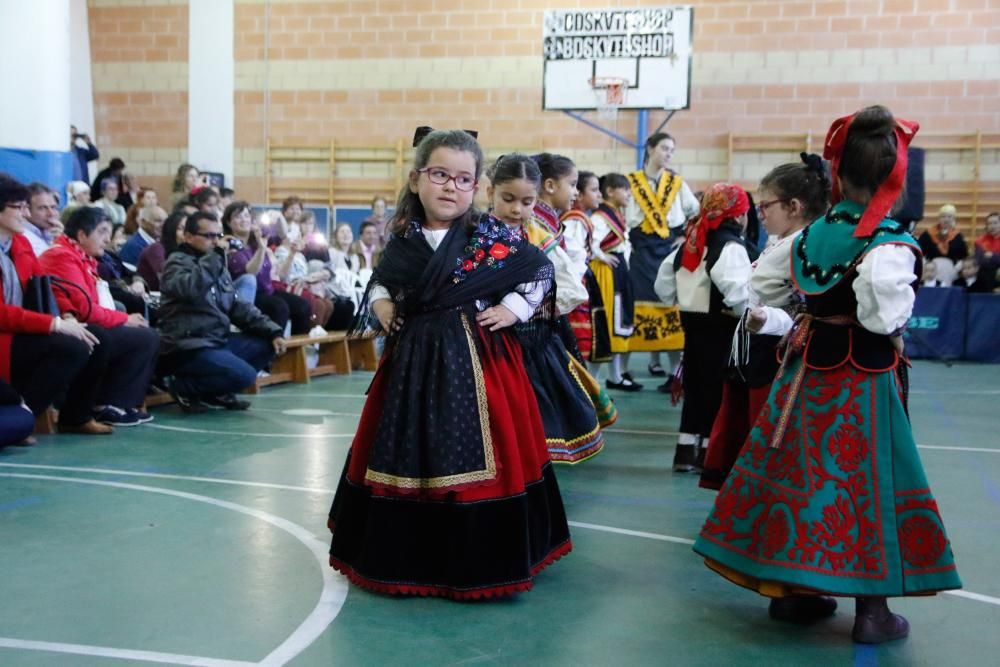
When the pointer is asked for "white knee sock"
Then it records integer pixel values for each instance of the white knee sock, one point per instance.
(654, 358)
(615, 370)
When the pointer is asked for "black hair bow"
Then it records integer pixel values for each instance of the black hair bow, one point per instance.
(424, 130)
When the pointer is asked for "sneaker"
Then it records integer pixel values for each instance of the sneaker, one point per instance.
(227, 402)
(143, 417)
(113, 416)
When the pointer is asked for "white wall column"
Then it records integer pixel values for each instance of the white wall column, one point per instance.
(211, 85)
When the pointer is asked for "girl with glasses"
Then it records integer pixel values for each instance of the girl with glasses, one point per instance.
(448, 489)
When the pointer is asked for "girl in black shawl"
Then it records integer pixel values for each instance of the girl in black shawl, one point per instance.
(448, 489)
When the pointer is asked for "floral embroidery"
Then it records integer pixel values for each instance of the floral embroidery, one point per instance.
(491, 243)
(776, 532)
(849, 446)
(922, 541)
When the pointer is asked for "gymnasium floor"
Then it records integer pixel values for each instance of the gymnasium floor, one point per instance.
(202, 541)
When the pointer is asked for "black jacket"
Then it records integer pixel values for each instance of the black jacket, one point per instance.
(198, 303)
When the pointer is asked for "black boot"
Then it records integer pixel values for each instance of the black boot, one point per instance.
(801, 609)
(685, 457)
(699, 459)
(874, 623)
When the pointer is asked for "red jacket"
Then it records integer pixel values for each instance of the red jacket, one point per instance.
(16, 320)
(66, 260)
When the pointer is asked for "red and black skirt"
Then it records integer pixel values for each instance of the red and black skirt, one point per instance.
(417, 512)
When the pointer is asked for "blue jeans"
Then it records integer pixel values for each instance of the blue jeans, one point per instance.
(213, 371)
(246, 288)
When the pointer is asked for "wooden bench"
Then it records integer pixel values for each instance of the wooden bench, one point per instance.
(335, 352)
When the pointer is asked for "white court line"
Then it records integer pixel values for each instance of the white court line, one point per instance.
(634, 432)
(287, 436)
(331, 599)
(631, 533)
(306, 489)
(979, 597)
(120, 653)
(185, 478)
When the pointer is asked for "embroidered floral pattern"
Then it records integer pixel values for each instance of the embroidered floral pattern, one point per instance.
(490, 245)
(922, 541)
(824, 275)
(815, 504)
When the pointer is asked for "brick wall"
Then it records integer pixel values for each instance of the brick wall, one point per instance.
(367, 72)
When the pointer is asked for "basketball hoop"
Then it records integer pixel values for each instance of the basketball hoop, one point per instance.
(610, 92)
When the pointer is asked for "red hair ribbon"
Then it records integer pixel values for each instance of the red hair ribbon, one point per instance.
(887, 193)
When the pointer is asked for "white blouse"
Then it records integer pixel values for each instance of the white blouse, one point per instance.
(575, 237)
(771, 286)
(730, 274)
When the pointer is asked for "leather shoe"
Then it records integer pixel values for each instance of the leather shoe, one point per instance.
(684, 458)
(656, 371)
(871, 629)
(87, 428)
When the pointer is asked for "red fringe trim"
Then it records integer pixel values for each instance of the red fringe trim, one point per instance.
(446, 592)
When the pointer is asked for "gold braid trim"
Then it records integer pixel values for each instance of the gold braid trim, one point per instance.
(485, 475)
(655, 208)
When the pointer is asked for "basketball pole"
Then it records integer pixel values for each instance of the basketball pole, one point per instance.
(640, 137)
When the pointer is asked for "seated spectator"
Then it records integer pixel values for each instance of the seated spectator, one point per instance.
(251, 256)
(127, 344)
(147, 199)
(206, 199)
(118, 239)
(109, 193)
(286, 223)
(43, 225)
(367, 247)
(380, 218)
(126, 287)
(972, 279)
(988, 245)
(944, 244)
(16, 420)
(77, 193)
(342, 254)
(315, 246)
(225, 197)
(131, 192)
(292, 269)
(928, 277)
(153, 257)
(187, 179)
(208, 364)
(150, 226)
(42, 357)
(114, 171)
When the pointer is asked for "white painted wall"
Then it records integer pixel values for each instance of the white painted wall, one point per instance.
(211, 76)
(35, 71)
(81, 83)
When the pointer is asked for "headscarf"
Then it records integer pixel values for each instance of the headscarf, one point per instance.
(720, 202)
(881, 203)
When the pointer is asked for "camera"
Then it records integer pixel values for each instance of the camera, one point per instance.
(235, 245)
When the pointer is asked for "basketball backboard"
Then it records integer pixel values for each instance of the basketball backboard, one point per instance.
(650, 48)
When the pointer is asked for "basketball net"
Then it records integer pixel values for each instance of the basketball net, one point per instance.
(609, 94)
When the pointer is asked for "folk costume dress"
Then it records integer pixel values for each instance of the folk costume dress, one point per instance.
(572, 404)
(656, 217)
(588, 320)
(829, 494)
(448, 489)
(708, 277)
(610, 237)
(754, 358)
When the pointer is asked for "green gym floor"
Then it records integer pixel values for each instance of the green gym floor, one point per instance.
(201, 540)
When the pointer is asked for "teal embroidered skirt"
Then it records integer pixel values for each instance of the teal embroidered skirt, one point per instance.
(841, 506)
